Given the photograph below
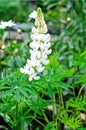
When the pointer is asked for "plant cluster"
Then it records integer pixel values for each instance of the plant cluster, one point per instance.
(54, 96)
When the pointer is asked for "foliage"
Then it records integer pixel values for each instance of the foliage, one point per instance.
(17, 10)
(19, 100)
(71, 122)
(78, 103)
(71, 35)
(59, 96)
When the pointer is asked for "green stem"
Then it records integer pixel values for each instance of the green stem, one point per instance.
(16, 110)
(17, 115)
(54, 111)
(21, 125)
(61, 99)
(80, 90)
(39, 122)
(54, 108)
(21, 121)
(61, 105)
(45, 117)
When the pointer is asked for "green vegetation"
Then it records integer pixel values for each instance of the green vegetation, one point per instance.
(16, 10)
(58, 98)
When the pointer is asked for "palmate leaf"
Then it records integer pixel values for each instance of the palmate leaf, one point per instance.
(77, 103)
(72, 122)
(38, 104)
(56, 77)
(56, 80)
(16, 85)
(7, 106)
(58, 68)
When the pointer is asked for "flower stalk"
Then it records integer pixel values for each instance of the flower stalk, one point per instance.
(40, 48)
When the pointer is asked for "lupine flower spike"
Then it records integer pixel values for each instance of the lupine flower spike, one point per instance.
(40, 48)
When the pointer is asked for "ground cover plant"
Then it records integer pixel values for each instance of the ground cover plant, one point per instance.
(41, 88)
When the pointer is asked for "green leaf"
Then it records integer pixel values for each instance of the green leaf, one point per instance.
(50, 91)
(6, 93)
(17, 95)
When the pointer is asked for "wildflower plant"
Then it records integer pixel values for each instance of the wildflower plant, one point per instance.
(22, 102)
(40, 48)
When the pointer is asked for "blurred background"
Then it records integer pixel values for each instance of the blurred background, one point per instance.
(58, 13)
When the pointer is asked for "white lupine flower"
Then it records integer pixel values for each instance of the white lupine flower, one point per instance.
(34, 30)
(47, 45)
(37, 77)
(30, 78)
(38, 63)
(34, 45)
(22, 70)
(39, 55)
(48, 51)
(40, 69)
(31, 71)
(44, 55)
(5, 24)
(33, 14)
(40, 48)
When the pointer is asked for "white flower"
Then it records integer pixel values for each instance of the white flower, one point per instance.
(5, 24)
(48, 51)
(47, 45)
(8, 24)
(22, 70)
(2, 26)
(40, 69)
(40, 49)
(33, 14)
(44, 56)
(31, 71)
(34, 45)
(34, 30)
(47, 38)
(30, 78)
(37, 77)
